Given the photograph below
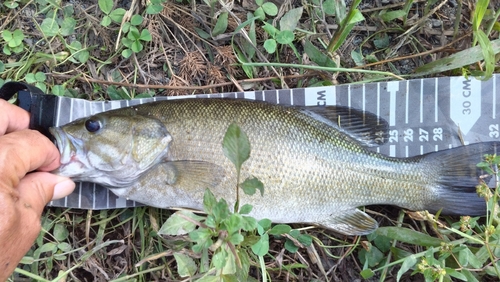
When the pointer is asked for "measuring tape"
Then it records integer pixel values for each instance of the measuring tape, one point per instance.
(424, 115)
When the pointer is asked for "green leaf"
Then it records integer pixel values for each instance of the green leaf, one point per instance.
(248, 223)
(58, 90)
(382, 42)
(246, 209)
(105, 5)
(11, 4)
(49, 27)
(136, 46)
(178, 225)
(265, 224)
(329, 7)
(488, 54)
(68, 26)
(154, 9)
(136, 20)
(106, 21)
(280, 229)
(259, 13)
(290, 20)
(145, 35)
(236, 146)
(233, 223)
(186, 267)
(221, 24)
(373, 257)
(250, 185)
(367, 273)
(209, 201)
(64, 247)
(209, 279)
(357, 57)
(285, 37)
(391, 15)
(7, 35)
(466, 258)
(17, 38)
(290, 246)
(30, 78)
(453, 273)
(203, 34)
(262, 246)
(203, 239)
(407, 264)
(457, 60)
(469, 276)
(480, 9)
(259, 2)
(270, 45)
(219, 259)
(236, 238)
(270, 29)
(117, 15)
(409, 236)
(320, 58)
(134, 33)
(270, 8)
(305, 239)
(60, 232)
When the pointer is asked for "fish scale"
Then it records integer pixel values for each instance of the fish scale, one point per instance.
(314, 170)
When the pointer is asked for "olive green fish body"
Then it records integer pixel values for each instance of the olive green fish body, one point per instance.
(313, 170)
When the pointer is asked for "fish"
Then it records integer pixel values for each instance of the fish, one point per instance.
(315, 163)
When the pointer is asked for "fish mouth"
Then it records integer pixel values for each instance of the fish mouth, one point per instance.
(66, 145)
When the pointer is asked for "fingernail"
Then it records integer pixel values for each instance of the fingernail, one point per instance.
(63, 188)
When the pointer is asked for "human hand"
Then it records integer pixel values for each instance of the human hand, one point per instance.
(22, 195)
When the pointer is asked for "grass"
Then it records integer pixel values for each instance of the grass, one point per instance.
(101, 50)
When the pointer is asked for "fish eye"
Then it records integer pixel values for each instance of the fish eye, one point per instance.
(92, 125)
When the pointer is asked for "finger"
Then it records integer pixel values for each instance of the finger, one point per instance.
(37, 189)
(12, 118)
(24, 151)
(22, 207)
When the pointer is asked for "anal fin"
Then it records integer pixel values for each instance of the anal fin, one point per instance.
(350, 222)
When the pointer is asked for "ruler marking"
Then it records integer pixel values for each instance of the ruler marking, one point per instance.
(421, 100)
(349, 95)
(436, 147)
(80, 195)
(494, 110)
(378, 99)
(406, 151)
(436, 107)
(364, 101)
(392, 87)
(407, 98)
(421, 149)
(392, 150)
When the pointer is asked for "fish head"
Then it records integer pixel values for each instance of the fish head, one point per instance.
(113, 148)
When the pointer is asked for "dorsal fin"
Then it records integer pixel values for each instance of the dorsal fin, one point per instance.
(367, 128)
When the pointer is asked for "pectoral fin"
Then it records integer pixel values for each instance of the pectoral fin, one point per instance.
(350, 222)
(192, 174)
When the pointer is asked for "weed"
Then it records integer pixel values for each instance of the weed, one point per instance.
(14, 41)
(227, 235)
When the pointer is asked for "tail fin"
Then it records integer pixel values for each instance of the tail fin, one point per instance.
(459, 177)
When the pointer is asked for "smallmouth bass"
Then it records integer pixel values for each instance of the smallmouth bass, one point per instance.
(315, 165)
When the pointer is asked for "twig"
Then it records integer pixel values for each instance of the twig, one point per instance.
(169, 87)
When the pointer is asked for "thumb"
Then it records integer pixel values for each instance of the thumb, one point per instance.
(38, 188)
(20, 225)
